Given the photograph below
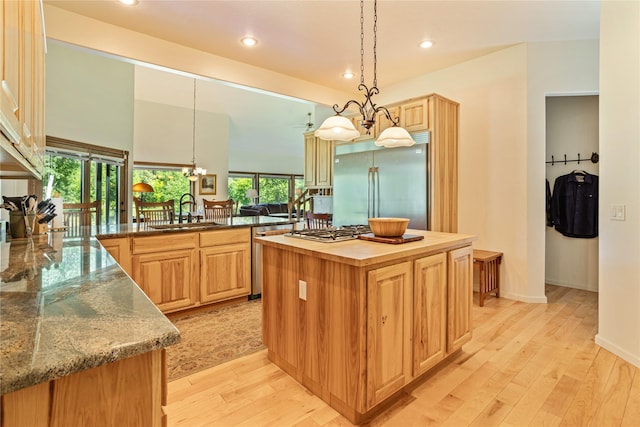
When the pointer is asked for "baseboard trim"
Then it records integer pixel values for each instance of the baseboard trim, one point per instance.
(569, 285)
(634, 359)
(523, 298)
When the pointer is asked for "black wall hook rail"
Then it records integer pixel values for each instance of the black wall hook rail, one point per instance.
(594, 159)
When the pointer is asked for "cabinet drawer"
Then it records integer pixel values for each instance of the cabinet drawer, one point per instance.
(165, 242)
(225, 237)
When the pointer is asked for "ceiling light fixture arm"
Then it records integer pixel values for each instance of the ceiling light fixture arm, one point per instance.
(368, 108)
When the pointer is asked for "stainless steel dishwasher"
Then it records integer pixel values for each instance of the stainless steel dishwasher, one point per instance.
(256, 254)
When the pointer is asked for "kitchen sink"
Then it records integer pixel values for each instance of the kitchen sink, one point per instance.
(186, 226)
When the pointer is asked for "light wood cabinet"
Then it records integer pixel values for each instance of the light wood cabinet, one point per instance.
(363, 332)
(128, 392)
(225, 265)
(429, 312)
(415, 115)
(166, 269)
(388, 331)
(22, 88)
(119, 249)
(187, 269)
(460, 297)
(167, 278)
(318, 162)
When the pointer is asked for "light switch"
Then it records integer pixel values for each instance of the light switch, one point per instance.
(617, 212)
(302, 290)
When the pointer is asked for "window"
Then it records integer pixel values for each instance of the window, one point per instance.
(81, 173)
(167, 182)
(271, 187)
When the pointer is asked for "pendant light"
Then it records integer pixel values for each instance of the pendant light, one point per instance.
(194, 172)
(339, 128)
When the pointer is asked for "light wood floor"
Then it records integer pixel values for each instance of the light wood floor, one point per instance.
(527, 365)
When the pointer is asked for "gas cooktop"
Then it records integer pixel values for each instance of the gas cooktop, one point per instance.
(331, 234)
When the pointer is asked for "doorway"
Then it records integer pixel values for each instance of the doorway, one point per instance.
(571, 134)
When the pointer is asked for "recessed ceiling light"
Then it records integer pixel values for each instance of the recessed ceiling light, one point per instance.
(426, 44)
(347, 75)
(129, 2)
(249, 41)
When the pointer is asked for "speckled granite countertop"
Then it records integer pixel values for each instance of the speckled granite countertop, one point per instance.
(127, 230)
(66, 306)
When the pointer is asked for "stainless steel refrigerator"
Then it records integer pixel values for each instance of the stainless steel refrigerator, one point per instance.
(370, 181)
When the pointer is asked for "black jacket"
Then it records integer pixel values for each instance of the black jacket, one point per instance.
(574, 205)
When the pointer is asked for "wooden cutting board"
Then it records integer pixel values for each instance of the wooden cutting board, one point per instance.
(405, 238)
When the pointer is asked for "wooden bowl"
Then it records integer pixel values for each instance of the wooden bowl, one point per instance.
(388, 227)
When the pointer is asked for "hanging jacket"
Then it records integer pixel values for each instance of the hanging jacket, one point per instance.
(574, 204)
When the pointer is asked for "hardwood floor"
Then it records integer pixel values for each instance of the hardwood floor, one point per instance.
(527, 365)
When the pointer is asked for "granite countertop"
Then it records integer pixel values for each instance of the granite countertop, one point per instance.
(67, 306)
(362, 253)
(127, 230)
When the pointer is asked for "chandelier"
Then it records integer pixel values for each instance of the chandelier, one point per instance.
(193, 172)
(339, 128)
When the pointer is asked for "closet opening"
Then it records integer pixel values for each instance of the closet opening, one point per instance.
(571, 242)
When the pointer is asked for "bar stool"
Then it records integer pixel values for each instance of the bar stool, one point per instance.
(489, 263)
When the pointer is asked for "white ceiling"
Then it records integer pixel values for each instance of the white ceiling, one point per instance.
(316, 40)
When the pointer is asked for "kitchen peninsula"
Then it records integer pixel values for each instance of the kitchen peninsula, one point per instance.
(81, 343)
(356, 321)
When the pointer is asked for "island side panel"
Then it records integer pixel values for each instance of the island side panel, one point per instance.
(321, 342)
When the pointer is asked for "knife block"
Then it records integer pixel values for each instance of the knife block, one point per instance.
(41, 228)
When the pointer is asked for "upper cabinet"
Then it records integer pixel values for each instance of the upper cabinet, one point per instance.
(22, 49)
(318, 162)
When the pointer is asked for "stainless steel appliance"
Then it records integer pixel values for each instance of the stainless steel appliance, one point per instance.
(371, 181)
(256, 254)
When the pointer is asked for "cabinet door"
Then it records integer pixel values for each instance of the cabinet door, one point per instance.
(429, 312)
(10, 90)
(310, 160)
(388, 331)
(324, 163)
(167, 278)
(415, 115)
(460, 297)
(225, 272)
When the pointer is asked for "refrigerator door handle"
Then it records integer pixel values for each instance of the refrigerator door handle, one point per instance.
(372, 199)
(369, 178)
(376, 196)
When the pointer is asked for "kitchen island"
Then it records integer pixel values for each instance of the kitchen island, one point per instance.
(81, 344)
(356, 321)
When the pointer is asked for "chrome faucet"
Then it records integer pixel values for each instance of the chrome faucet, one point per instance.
(191, 202)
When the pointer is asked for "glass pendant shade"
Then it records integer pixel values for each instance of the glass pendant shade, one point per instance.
(394, 136)
(337, 128)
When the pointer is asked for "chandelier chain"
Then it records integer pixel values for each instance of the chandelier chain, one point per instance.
(361, 41)
(375, 42)
(193, 132)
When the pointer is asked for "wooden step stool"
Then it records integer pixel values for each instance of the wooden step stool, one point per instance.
(489, 263)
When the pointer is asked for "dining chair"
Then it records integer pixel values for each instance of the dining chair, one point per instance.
(155, 212)
(78, 215)
(317, 220)
(217, 210)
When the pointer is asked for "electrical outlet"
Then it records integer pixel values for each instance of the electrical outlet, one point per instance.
(302, 290)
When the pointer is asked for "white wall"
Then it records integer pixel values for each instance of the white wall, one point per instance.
(163, 125)
(572, 128)
(619, 297)
(502, 146)
(89, 98)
